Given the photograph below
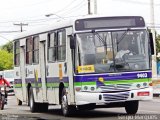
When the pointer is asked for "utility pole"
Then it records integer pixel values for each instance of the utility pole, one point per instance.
(89, 7)
(21, 25)
(152, 13)
(95, 6)
(154, 58)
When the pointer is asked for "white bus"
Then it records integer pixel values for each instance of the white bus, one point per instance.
(72, 63)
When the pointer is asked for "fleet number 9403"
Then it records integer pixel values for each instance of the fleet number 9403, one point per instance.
(142, 75)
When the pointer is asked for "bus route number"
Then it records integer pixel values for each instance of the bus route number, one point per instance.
(86, 69)
(142, 75)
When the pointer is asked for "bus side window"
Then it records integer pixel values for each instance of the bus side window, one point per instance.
(17, 53)
(61, 45)
(36, 49)
(29, 49)
(52, 47)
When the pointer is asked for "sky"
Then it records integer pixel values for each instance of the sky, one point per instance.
(33, 12)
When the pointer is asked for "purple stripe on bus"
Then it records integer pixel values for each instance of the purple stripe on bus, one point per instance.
(109, 76)
(56, 79)
(48, 80)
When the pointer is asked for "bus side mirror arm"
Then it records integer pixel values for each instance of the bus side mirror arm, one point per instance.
(72, 42)
(151, 43)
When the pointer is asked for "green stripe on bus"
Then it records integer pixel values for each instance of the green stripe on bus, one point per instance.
(56, 85)
(77, 83)
(66, 84)
(17, 85)
(126, 81)
(34, 85)
(84, 83)
(115, 82)
(89, 83)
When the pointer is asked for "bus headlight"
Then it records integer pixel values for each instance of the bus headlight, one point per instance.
(85, 88)
(92, 88)
(145, 84)
(138, 85)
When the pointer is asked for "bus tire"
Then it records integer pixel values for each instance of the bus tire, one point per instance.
(28, 102)
(33, 105)
(67, 110)
(19, 102)
(43, 107)
(87, 107)
(131, 107)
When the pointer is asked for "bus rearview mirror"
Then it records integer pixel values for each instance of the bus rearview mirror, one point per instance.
(151, 43)
(72, 42)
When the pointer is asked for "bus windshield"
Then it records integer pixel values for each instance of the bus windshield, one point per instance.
(113, 51)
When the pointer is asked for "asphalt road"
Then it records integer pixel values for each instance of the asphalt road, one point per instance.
(148, 110)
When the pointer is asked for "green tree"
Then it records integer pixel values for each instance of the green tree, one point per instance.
(8, 47)
(6, 60)
(158, 45)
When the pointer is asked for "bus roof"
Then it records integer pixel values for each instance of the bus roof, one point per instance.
(44, 28)
(57, 25)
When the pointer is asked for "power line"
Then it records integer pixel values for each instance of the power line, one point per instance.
(63, 10)
(137, 2)
(68, 5)
(21, 25)
(72, 9)
(4, 38)
(25, 5)
(78, 7)
(8, 31)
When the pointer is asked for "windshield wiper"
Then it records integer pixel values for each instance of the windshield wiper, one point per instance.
(122, 36)
(100, 38)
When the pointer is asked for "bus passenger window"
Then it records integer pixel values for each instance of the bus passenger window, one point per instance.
(29, 48)
(52, 47)
(61, 45)
(36, 49)
(17, 53)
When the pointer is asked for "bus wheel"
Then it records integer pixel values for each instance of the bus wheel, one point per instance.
(131, 107)
(19, 102)
(33, 105)
(87, 107)
(66, 109)
(43, 107)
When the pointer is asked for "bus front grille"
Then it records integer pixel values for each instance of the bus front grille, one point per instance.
(115, 88)
(111, 97)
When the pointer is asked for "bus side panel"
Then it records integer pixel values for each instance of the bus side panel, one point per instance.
(18, 83)
(42, 62)
(71, 97)
(56, 75)
(52, 82)
(22, 71)
(19, 75)
(34, 77)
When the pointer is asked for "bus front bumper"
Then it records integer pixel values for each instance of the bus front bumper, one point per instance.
(83, 98)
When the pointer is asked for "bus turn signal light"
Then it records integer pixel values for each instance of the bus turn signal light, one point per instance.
(150, 84)
(143, 94)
